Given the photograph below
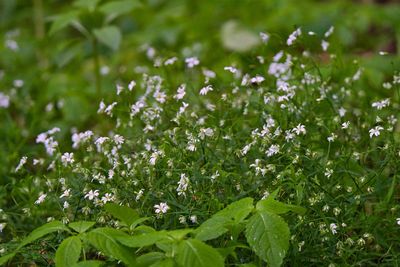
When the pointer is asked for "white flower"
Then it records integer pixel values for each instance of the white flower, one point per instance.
(398, 221)
(119, 89)
(92, 194)
(231, 69)
(4, 100)
(375, 131)
(193, 218)
(331, 138)
(272, 150)
(264, 37)
(192, 61)
(2, 226)
(180, 93)
(107, 198)
(293, 36)
(345, 125)
(160, 96)
(67, 158)
(324, 45)
(21, 163)
(329, 32)
(381, 104)
(66, 193)
(131, 85)
(41, 198)
(170, 61)
(161, 208)
(333, 228)
(206, 89)
(206, 132)
(257, 79)
(299, 129)
(183, 185)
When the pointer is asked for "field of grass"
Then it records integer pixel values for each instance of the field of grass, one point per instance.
(199, 133)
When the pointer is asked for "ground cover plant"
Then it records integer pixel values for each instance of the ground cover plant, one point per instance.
(257, 145)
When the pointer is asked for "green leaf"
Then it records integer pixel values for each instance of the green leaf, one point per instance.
(68, 252)
(43, 230)
(81, 226)
(109, 36)
(62, 21)
(194, 253)
(234, 213)
(138, 221)
(274, 206)
(167, 262)
(103, 239)
(149, 258)
(117, 8)
(88, 4)
(237, 38)
(122, 213)
(142, 240)
(91, 263)
(6, 258)
(268, 236)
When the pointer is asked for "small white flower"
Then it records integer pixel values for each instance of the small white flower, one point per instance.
(375, 131)
(66, 193)
(41, 198)
(161, 208)
(180, 93)
(206, 89)
(398, 221)
(333, 228)
(21, 163)
(2, 226)
(170, 61)
(257, 79)
(299, 129)
(272, 150)
(264, 37)
(345, 125)
(92, 194)
(193, 219)
(324, 45)
(67, 158)
(4, 100)
(381, 104)
(206, 132)
(192, 61)
(293, 36)
(131, 85)
(329, 32)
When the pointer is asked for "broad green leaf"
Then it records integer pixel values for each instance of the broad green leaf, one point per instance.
(274, 206)
(109, 36)
(138, 221)
(236, 38)
(91, 263)
(101, 239)
(234, 213)
(179, 234)
(81, 226)
(122, 213)
(68, 252)
(88, 4)
(62, 21)
(149, 258)
(117, 8)
(167, 262)
(143, 229)
(142, 240)
(43, 230)
(194, 253)
(268, 236)
(6, 258)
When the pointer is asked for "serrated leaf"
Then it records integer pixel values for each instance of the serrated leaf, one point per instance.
(236, 38)
(62, 21)
(142, 240)
(274, 206)
(42, 231)
(268, 236)
(103, 240)
(234, 213)
(68, 252)
(149, 258)
(122, 213)
(109, 36)
(91, 263)
(117, 8)
(81, 226)
(194, 253)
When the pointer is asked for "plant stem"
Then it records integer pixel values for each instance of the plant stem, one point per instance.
(96, 66)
